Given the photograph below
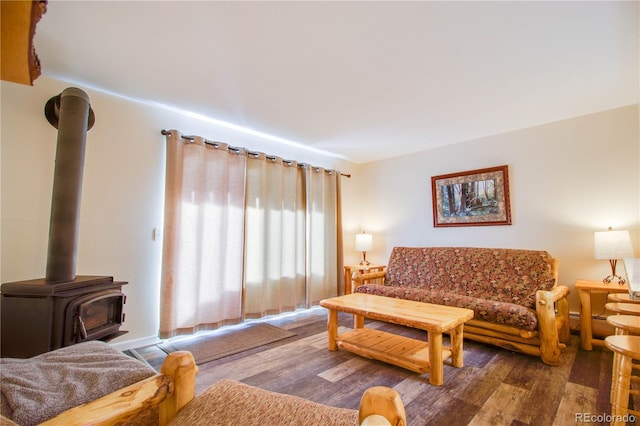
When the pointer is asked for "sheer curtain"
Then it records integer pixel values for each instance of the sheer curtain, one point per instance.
(203, 236)
(246, 235)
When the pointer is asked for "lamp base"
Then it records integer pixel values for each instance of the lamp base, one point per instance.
(613, 276)
(365, 263)
(610, 278)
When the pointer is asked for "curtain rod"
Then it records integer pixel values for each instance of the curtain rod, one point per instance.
(237, 149)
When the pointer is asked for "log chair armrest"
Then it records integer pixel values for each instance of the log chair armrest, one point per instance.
(171, 390)
(361, 278)
(120, 406)
(381, 401)
(182, 368)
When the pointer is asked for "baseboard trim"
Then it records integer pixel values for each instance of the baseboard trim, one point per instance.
(599, 326)
(136, 343)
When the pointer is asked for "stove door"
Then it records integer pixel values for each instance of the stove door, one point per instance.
(94, 316)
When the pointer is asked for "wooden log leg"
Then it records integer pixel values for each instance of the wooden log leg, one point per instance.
(585, 320)
(348, 282)
(436, 369)
(564, 333)
(621, 382)
(332, 329)
(455, 335)
(358, 321)
(615, 368)
(614, 377)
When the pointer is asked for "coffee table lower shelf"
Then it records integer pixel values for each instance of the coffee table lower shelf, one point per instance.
(402, 351)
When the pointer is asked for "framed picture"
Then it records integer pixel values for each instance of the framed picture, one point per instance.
(471, 198)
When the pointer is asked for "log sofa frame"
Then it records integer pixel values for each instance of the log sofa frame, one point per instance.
(547, 341)
(161, 397)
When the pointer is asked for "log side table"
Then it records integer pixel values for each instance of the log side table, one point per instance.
(585, 289)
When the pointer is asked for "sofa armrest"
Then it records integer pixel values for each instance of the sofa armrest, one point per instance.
(363, 278)
(552, 309)
(558, 292)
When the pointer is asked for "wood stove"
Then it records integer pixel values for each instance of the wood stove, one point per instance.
(62, 309)
(38, 317)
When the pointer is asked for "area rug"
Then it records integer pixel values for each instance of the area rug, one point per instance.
(218, 345)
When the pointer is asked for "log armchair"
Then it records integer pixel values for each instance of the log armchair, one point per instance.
(169, 398)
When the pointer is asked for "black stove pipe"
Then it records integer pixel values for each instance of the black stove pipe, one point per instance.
(70, 113)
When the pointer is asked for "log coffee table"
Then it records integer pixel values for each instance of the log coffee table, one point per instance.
(412, 354)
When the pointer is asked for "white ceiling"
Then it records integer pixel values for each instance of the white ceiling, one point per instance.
(363, 80)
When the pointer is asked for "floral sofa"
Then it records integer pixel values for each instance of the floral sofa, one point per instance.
(514, 294)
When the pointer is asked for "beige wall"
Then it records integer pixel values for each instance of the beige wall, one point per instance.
(122, 197)
(568, 179)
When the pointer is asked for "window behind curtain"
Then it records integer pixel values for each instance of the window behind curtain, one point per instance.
(245, 236)
(203, 237)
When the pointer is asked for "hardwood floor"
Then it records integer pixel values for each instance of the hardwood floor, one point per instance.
(495, 387)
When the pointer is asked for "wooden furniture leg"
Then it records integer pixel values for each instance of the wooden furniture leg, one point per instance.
(457, 359)
(585, 320)
(332, 329)
(358, 321)
(436, 369)
(348, 282)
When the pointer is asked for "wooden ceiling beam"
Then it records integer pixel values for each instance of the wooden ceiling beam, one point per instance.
(19, 62)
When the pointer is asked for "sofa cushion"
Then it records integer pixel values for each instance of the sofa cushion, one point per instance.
(229, 402)
(484, 309)
(38, 388)
(500, 275)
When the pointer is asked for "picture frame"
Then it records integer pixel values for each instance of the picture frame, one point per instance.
(472, 198)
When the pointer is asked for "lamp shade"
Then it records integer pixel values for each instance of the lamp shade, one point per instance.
(632, 266)
(364, 242)
(612, 245)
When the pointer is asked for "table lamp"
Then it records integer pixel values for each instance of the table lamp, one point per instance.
(613, 245)
(632, 266)
(364, 243)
